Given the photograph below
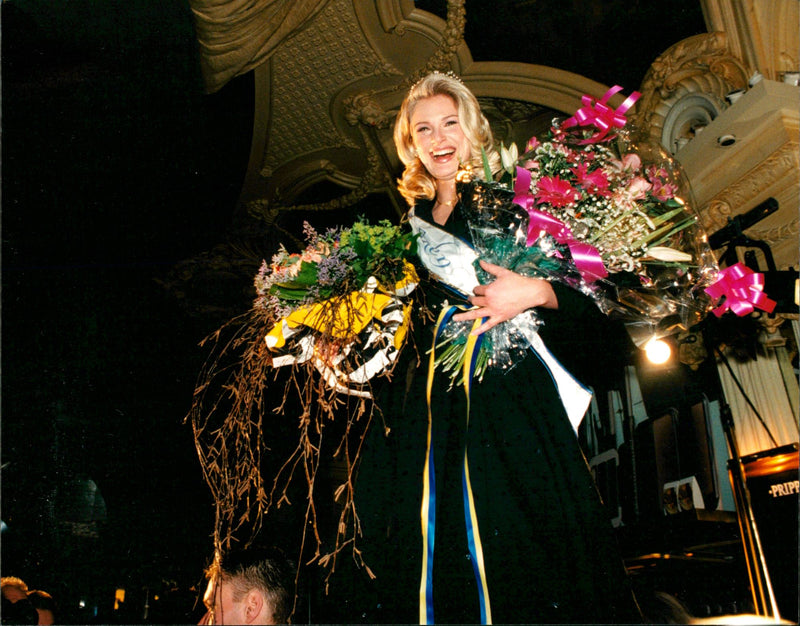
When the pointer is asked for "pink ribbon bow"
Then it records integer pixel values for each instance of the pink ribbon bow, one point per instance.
(743, 290)
(601, 115)
(586, 257)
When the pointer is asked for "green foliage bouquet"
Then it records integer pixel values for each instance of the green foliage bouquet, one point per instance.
(325, 322)
(339, 302)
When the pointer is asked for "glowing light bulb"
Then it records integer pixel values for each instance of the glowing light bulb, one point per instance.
(657, 351)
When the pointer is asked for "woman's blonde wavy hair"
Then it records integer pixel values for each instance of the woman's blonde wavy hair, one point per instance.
(416, 182)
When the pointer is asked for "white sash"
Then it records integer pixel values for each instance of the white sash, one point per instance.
(450, 260)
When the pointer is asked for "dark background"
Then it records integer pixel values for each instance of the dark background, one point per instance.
(115, 167)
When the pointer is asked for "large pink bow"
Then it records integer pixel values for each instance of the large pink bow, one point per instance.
(743, 290)
(601, 115)
(586, 257)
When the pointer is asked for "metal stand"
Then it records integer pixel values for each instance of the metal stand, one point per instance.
(760, 584)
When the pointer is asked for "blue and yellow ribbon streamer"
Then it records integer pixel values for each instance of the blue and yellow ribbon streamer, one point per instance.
(428, 510)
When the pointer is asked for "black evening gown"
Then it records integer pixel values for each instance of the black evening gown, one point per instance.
(549, 549)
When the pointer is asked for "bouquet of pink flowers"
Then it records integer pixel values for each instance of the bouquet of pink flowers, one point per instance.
(589, 207)
(620, 213)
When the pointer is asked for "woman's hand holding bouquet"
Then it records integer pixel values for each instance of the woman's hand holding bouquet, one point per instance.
(589, 207)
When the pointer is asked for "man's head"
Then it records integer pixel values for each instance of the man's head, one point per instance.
(13, 588)
(17, 607)
(44, 605)
(250, 587)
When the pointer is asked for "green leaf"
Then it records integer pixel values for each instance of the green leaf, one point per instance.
(658, 236)
(307, 274)
(288, 293)
(487, 170)
(689, 221)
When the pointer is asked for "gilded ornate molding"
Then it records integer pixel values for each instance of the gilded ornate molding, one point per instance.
(701, 54)
(262, 210)
(693, 75)
(715, 215)
(374, 177)
(452, 40)
(764, 35)
(779, 234)
(360, 109)
(508, 118)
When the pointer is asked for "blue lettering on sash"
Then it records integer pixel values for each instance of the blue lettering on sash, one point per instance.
(437, 254)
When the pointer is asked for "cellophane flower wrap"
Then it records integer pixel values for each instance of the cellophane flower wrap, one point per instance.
(325, 322)
(589, 206)
(498, 229)
(624, 211)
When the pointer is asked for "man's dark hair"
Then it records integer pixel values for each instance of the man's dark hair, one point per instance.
(42, 600)
(264, 568)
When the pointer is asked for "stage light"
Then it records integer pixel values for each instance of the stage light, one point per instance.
(657, 351)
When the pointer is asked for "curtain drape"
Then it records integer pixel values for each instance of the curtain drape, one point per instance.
(769, 391)
(237, 35)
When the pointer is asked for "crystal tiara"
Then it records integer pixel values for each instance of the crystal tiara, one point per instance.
(448, 73)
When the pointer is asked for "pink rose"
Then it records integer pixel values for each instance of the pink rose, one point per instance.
(631, 162)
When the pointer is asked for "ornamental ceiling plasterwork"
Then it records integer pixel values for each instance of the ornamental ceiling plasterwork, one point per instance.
(327, 94)
(327, 98)
(334, 56)
(688, 91)
(685, 88)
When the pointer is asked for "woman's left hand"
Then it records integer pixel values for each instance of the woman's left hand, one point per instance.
(508, 295)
